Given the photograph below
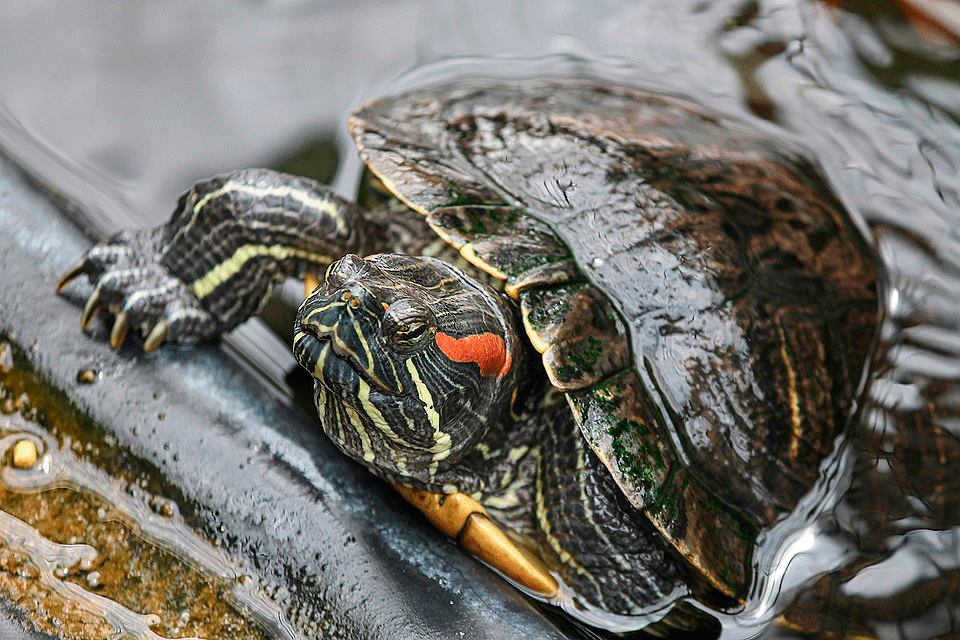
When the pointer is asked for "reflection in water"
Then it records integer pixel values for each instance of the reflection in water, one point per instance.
(61, 490)
(53, 561)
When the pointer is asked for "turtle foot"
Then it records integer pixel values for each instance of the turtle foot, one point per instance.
(130, 283)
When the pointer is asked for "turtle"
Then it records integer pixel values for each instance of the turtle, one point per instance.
(616, 332)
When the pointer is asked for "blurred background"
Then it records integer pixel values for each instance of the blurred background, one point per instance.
(144, 98)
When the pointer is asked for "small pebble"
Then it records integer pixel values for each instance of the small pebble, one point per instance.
(24, 454)
(93, 579)
(6, 358)
(87, 376)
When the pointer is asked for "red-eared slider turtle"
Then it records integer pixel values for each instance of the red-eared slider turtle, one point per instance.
(640, 338)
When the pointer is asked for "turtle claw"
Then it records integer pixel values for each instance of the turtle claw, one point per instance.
(463, 518)
(94, 303)
(71, 274)
(121, 327)
(130, 280)
(157, 336)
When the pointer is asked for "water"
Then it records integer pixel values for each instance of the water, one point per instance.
(123, 106)
(129, 566)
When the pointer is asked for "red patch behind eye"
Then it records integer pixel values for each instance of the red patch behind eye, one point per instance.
(485, 349)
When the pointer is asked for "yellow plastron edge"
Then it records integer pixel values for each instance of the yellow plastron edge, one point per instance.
(463, 518)
(310, 282)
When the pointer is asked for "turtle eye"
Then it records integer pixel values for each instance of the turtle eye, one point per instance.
(410, 334)
(405, 325)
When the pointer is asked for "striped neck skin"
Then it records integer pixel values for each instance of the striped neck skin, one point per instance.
(412, 360)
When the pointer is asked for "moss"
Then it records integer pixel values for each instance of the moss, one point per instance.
(581, 357)
(666, 508)
(463, 199)
(547, 309)
(517, 262)
(648, 465)
(129, 569)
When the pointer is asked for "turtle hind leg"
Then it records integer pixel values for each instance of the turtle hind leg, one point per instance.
(610, 556)
(230, 239)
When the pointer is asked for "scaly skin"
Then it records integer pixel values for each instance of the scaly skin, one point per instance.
(230, 239)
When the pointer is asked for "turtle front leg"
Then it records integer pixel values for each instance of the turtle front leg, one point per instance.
(213, 265)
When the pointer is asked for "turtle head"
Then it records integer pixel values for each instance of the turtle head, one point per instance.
(412, 359)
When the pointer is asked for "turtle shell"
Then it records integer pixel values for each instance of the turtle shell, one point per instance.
(692, 285)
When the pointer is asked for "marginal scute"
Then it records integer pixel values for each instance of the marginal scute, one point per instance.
(418, 177)
(620, 424)
(460, 225)
(580, 334)
(507, 243)
(689, 515)
(545, 275)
